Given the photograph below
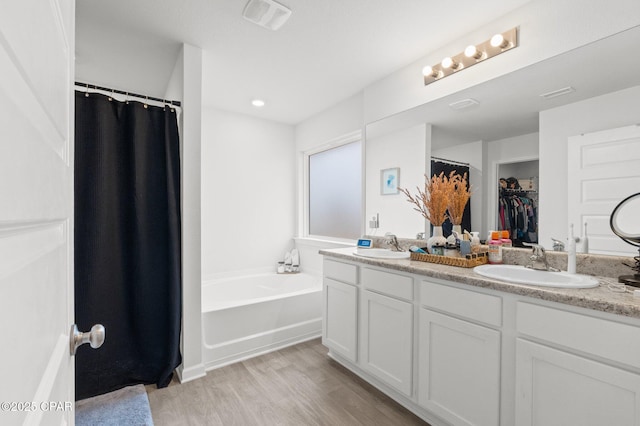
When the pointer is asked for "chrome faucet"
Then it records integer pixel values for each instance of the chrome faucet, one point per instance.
(539, 259)
(557, 245)
(392, 240)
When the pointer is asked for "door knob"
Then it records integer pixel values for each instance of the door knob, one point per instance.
(95, 337)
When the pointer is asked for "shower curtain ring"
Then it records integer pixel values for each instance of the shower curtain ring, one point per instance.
(146, 99)
(86, 94)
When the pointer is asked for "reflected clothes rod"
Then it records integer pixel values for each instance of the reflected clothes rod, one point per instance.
(453, 163)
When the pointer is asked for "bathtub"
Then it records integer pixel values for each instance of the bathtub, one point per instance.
(249, 315)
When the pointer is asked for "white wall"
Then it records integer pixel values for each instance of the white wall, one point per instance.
(185, 85)
(341, 119)
(520, 170)
(609, 111)
(248, 192)
(470, 153)
(546, 27)
(408, 150)
(509, 150)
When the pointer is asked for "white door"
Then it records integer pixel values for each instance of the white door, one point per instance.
(36, 211)
(604, 169)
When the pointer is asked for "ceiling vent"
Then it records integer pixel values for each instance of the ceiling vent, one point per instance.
(464, 103)
(559, 92)
(266, 13)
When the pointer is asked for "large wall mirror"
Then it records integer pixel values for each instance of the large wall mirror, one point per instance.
(505, 128)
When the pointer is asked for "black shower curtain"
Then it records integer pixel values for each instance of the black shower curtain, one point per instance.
(127, 242)
(438, 167)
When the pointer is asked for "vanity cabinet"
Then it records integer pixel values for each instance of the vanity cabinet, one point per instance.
(386, 328)
(340, 325)
(575, 369)
(459, 359)
(457, 354)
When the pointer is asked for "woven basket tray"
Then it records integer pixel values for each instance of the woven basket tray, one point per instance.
(448, 260)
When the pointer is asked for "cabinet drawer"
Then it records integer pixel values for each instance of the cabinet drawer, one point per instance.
(469, 304)
(394, 285)
(608, 339)
(341, 271)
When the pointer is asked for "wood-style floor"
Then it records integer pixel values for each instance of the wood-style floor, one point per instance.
(299, 385)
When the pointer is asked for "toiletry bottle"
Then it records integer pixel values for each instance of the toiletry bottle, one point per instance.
(495, 248)
(506, 241)
(571, 252)
(585, 240)
(475, 242)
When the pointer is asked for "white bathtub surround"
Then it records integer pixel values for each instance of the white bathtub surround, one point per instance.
(308, 248)
(248, 315)
(260, 193)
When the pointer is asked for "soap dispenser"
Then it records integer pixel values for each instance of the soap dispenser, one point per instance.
(571, 252)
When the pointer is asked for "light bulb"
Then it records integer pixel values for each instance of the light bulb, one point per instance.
(447, 62)
(499, 41)
(473, 52)
(470, 51)
(257, 103)
(427, 71)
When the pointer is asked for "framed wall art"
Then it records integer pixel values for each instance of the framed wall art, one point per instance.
(389, 181)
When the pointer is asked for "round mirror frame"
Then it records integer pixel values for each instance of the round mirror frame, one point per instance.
(634, 240)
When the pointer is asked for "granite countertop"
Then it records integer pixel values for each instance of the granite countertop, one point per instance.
(598, 298)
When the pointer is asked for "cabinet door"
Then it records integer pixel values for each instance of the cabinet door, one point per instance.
(341, 318)
(387, 334)
(458, 370)
(554, 387)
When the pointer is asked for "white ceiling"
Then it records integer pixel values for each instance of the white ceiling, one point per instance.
(326, 52)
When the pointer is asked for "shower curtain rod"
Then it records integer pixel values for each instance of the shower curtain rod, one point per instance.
(454, 163)
(135, 95)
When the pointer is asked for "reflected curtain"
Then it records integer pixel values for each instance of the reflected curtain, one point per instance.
(438, 167)
(127, 242)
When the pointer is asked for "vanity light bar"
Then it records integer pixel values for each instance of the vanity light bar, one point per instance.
(472, 55)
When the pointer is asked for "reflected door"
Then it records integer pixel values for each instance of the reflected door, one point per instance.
(603, 169)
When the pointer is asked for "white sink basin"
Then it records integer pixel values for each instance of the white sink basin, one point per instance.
(379, 253)
(521, 275)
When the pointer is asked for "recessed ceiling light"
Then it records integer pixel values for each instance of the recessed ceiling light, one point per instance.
(257, 103)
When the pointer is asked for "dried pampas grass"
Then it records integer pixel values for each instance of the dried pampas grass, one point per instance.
(459, 194)
(441, 194)
(432, 203)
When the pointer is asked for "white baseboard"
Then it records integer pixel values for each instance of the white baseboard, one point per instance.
(190, 373)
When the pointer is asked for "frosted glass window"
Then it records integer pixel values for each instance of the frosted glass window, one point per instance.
(335, 192)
